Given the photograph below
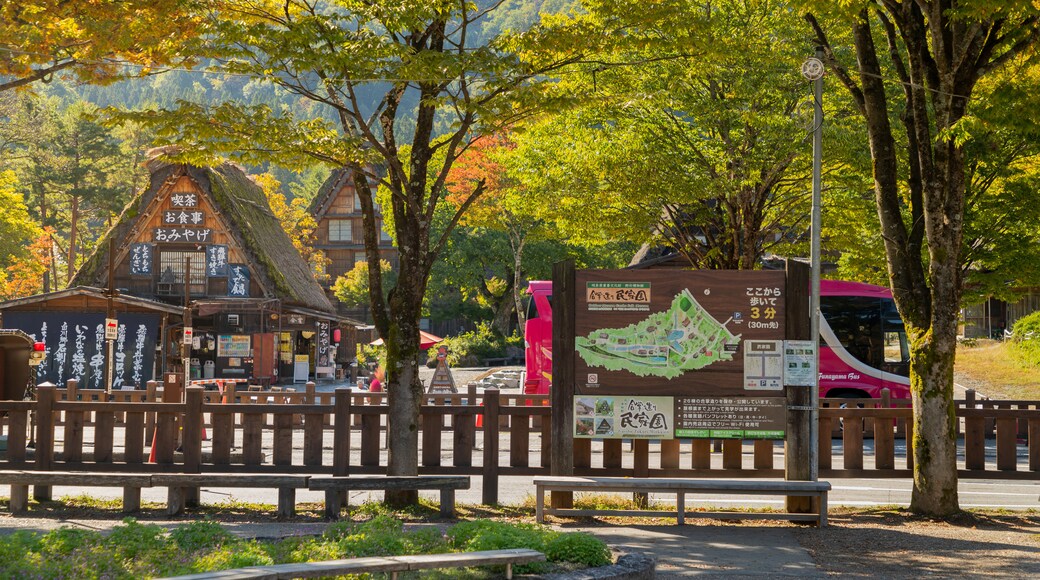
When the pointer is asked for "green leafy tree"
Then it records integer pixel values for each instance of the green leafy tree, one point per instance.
(17, 228)
(437, 93)
(94, 40)
(938, 52)
(352, 288)
(686, 142)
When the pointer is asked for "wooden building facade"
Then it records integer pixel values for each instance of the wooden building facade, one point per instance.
(340, 232)
(205, 240)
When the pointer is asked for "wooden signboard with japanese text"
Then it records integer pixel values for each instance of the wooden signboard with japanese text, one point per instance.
(690, 333)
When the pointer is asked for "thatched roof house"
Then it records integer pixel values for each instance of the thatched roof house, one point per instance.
(205, 238)
(240, 217)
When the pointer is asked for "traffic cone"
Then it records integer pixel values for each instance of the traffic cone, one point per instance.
(151, 455)
(480, 418)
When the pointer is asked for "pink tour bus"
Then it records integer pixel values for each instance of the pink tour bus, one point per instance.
(863, 346)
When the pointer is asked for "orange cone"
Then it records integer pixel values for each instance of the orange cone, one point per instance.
(151, 455)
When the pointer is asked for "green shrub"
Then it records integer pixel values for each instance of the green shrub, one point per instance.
(470, 348)
(1025, 339)
(380, 536)
(198, 535)
(132, 539)
(135, 550)
(237, 555)
(64, 541)
(482, 535)
(578, 547)
(309, 550)
(426, 541)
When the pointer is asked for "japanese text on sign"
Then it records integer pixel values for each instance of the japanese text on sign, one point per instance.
(182, 234)
(216, 261)
(184, 200)
(183, 218)
(730, 417)
(238, 280)
(324, 341)
(140, 259)
(618, 296)
(623, 417)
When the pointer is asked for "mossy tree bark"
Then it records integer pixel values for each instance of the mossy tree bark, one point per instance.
(939, 52)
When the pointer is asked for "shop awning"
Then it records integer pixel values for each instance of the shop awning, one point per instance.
(426, 340)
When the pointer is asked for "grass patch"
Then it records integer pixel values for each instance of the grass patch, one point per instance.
(1000, 370)
(140, 550)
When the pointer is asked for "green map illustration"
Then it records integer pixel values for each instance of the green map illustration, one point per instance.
(665, 344)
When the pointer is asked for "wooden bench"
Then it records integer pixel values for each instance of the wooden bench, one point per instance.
(333, 486)
(385, 564)
(20, 480)
(179, 482)
(681, 487)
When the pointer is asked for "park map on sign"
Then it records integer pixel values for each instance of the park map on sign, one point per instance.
(665, 344)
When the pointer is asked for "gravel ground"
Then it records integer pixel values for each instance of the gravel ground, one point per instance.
(895, 544)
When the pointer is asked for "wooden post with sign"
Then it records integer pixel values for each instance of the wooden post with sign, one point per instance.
(796, 456)
(562, 392)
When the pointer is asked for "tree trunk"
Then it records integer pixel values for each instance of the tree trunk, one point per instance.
(503, 314)
(935, 435)
(518, 292)
(404, 389)
(73, 224)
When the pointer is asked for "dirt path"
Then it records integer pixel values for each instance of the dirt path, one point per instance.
(894, 544)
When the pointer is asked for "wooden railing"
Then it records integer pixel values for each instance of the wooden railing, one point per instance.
(488, 434)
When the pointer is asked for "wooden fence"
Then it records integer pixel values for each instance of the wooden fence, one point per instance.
(489, 434)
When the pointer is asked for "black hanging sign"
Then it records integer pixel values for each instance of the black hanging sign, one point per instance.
(141, 259)
(238, 280)
(216, 261)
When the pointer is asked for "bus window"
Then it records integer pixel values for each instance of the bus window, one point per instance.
(856, 321)
(532, 309)
(897, 349)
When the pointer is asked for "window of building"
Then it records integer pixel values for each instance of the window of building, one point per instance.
(357, 202)
(171, 272)
(340, 231)
(360, 257)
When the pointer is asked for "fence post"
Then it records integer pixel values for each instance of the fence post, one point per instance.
(341, 432)
(149, 420)
(310, 390)
(489, 486)
(192, 440)
(72, 390)
(45, 394)
(471, 399)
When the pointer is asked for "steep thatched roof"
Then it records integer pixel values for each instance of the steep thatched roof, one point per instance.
(243, 205)
(338, 179)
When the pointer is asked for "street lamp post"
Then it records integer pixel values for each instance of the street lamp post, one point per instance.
(813, 70)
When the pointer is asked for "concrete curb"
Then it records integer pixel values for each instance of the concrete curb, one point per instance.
(628, 567)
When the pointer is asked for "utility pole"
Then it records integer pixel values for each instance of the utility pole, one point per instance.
(812, 69)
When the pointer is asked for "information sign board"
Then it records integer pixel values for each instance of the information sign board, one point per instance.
(667, 333)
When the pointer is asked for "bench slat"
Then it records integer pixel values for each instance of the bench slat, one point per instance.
(676, 484)
(374, 564)
(378, 482)
(75, 478)
(229, 480)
